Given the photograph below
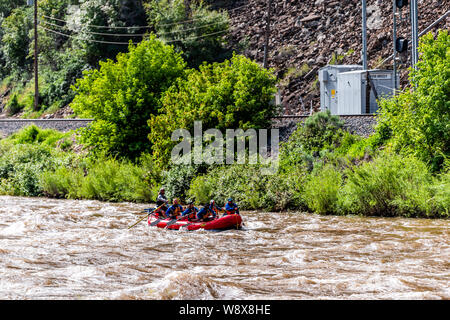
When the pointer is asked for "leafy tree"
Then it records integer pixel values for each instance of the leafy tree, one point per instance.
(121, 96)
(7, 6)
(234, 94)
(320, 132)
(419, 119)
(110, 13)
(193, 28)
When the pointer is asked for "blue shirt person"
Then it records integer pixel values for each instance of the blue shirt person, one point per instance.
(174, 210)
(214, 207)
(231, 207)
(206, 212)
(190, 212)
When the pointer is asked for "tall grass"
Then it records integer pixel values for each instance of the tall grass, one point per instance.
(105, 179)
(391, 185)
(321, 190)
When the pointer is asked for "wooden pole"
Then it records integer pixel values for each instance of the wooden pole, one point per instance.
(36, 75)
(267, 36)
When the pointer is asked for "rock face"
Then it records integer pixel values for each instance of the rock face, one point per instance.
(309, 34)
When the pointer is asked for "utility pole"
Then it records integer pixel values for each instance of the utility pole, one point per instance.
(266, 41)
(364, 34)
(394, 38)
(36, 75)
(414, 35)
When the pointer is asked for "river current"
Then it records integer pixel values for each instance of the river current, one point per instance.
(70, 249)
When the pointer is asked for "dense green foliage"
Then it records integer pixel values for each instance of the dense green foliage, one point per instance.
(138, 99)
(121, 96)
(15, 40)
(333, 181)
(37, 162)
(419, 119)
(195, 31)
(77, 35)
(234, 94)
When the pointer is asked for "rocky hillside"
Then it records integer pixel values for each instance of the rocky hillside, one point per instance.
(309, 34)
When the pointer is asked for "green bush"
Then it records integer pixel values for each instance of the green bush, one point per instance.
(322, 189)
(320, 131)
(122, 95)
(62, 182)
(315, 140)
(13, 106)
(16, 40)
(441, 195)
(37, 136)
(21, 165)
(101, 179)
(178, 179)
(229, 95)
(419, 118)
(112, 180)
(247, 185)
(196, 31)
(391, 185)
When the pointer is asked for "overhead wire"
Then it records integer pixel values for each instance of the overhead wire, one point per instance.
(133, 34)
(147, 26)
(127, 43)
(59, 31)
(88, 40)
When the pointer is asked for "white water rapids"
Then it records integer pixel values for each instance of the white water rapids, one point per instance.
(68, 249)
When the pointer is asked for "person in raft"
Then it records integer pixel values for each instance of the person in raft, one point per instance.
(161, 203)
(215, 207)
(206, 212)
(174, 210)
(191, 212)
(231, 207)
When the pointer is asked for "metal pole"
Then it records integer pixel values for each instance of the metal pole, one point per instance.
(394, 37)
(36, 75)
(414, 34)
(266, 40)
(364, 34)
(431, 26)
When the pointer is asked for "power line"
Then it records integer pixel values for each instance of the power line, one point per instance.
(143, 27)
(126, 43)
(88, 40)
(101, 33)
(201, 18)
(198, 37)
(95, 26)
(135, 34)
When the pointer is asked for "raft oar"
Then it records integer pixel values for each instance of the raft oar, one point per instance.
(173, 221)
(149, 212)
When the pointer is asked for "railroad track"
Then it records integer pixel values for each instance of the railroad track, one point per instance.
(361, 124)
(9, 126)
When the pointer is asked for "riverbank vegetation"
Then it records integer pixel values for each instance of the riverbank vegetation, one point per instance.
(78, 35)
(141, 97)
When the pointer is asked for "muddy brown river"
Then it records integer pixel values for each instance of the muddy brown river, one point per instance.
(66, 249)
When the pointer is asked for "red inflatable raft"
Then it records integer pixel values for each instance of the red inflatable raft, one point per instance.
(232, 221)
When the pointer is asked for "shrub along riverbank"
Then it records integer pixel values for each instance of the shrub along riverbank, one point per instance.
(401, 170)
(339, 174)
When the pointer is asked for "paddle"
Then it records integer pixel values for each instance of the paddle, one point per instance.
(173, 221)
(149, 212)
(154, 223)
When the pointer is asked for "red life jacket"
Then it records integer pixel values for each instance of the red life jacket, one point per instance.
(193, 214)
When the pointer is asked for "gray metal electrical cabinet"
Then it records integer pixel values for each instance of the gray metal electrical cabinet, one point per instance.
(356, 94)
(328, 78)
